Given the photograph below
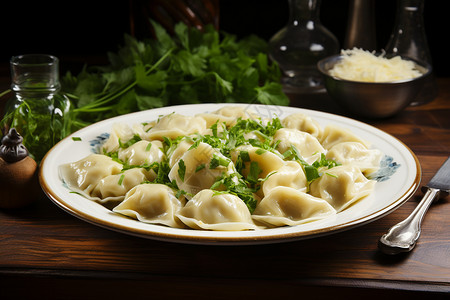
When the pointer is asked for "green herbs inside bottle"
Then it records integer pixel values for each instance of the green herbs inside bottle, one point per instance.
(37, 109)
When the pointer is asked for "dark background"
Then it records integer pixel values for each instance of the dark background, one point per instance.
(80, 32)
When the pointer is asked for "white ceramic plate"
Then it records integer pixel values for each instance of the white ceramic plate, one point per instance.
(401, 178)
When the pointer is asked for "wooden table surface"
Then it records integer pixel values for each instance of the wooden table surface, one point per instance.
(45, 253)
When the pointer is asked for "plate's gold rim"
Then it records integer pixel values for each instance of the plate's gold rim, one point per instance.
(238, 240)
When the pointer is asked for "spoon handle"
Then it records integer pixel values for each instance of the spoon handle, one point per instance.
(403, 236)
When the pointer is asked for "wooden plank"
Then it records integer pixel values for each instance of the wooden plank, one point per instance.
(47, 247)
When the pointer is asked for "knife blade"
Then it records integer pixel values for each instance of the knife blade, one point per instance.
(441, 180)
(403, 236)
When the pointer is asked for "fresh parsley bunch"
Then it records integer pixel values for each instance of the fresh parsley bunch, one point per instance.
(192, 66)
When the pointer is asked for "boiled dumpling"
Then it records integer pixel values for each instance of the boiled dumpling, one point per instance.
(216, 211)
(243, 112)
(215, 168)
(289, 175)
(212, 118)
(198, 172)
(333, 135)
(148, 125)
(308, 146)
(142, 152)
(152, 203)
(122, 132)
(356, 154)
(83, 175)
(288, 206)
(118, 131)
(342, 186)
(218, 131)
(175, 125)
(304, 123)
(267, 161)
(253, 135)
(181, 148)
(228, 115)
(116, 186)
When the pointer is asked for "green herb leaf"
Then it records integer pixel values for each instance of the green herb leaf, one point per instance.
(122, 177)
(312, 172)
(217, 161)
(181, 169)
(323, 162)
(136, 138)
(271, 94)
(200, 167)
(191, 66)
(260, 151)
(235, 185)
(255, 170)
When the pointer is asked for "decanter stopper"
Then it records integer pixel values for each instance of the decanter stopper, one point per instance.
(12, 149)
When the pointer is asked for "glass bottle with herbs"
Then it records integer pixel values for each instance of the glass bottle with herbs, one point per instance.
(37, 110)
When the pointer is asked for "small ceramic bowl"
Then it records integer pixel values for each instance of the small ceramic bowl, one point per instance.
(374, 100)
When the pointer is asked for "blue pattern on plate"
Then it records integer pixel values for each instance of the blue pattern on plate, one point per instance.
(387, 168)
(98, 142)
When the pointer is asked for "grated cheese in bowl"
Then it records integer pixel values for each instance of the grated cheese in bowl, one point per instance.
(360, 65)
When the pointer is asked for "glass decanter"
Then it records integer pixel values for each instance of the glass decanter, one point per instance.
(301, 44)
(409, 39)
(37, 110)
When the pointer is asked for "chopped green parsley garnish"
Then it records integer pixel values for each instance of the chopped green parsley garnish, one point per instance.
(225, 139)
(312, 172)
(217, 161)
(181, 169)
(136, 138)
(122, 177)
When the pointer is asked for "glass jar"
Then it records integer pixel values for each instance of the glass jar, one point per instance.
(408, 39)
(37, 110)
(301, 44)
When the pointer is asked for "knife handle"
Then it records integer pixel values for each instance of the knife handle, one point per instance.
(403, 236)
